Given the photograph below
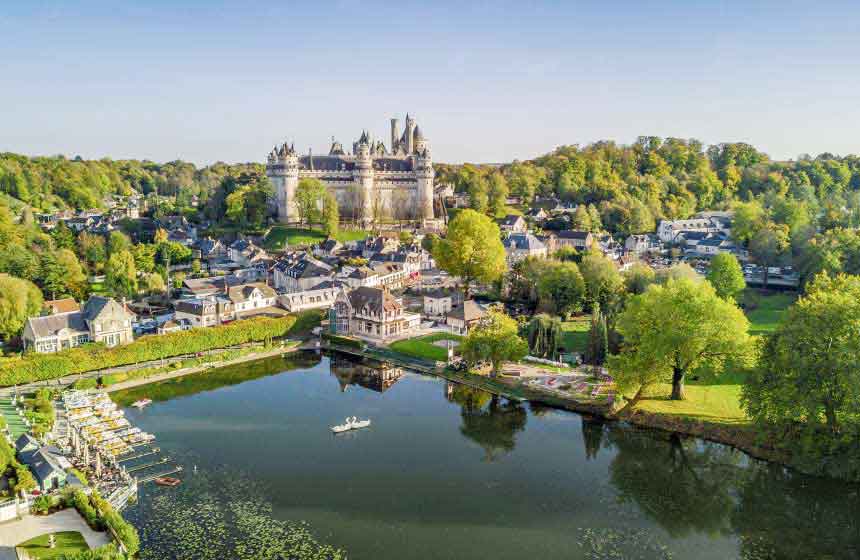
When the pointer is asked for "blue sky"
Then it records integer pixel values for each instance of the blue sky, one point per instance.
(487, 81)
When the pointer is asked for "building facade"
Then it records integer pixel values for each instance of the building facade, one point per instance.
(371, 183)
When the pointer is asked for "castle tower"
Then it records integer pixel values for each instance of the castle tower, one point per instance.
(424, 174)
(282, 169)
(395, 134)
(364, 178)
(410, 131)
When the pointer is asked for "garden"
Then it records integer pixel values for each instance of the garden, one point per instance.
(429, 347)
(281, 237)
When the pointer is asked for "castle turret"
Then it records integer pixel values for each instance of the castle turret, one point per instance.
(425, 176)
(395, 134)
(410, 131)
(364, 176)
(283, 172)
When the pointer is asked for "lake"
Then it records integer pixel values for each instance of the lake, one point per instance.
(448, 472)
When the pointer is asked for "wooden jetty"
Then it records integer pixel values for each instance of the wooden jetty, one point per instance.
(159, 475)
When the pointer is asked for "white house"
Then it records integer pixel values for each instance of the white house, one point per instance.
(251, 297)
(518, 246)
(464, 317)
(320, 296)
(300, 272)
(513, 223)
(101, 320)
(437, 303)
(370, 312)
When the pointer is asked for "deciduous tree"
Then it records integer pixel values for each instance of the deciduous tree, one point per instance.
(726, 276)
(496, 341)
(472, 250)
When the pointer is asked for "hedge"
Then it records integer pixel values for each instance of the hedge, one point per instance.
(39, 367)
(343, 341)
(99, 514)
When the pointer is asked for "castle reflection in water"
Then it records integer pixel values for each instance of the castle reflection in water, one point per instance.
(375, 376)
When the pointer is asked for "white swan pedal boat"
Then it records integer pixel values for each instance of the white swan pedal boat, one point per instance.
(350, 424)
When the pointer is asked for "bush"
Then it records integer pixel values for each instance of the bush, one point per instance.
(38, 367)
(87, 383)
(42, 504)
(343, 341)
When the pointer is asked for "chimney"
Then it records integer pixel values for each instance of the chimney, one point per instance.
(395, 134)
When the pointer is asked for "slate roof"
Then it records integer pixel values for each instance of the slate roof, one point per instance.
(510, 220)
(51, 325)
(469, 311)
(362, 272)
(571, 234)
(523, 242)
(374, 300)
(243, 292)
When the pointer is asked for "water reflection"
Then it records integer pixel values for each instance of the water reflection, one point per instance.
(488, 420)
(375, 376)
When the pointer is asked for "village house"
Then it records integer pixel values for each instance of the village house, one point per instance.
(320, 296)
(465, 316)
(370, 312)
(518, 246)
(640, 244)
(101, 320)
(437, 303)
(379, 244)
(248, 299)
(513, 223)
(65, 305)
(47, 463)
(208, 248)
(205, 311)
(174, 325)
(705, 222)
(328, 248)
(361, 276)
(244, 253)
(391, 275)
(299, 272)
(579, 240)
(537, 214)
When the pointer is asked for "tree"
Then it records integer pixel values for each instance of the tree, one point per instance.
(117, 242)
(674, 329)
(638, 277)
(497, 195)
(767, 245)
(51, 276)
(330, 214)
(581, 219)
(308, 195)
(19, 299)
(598, 338)
(601, 276)
(561, 288)
(92, 250)
(544, 336)
(74, 278)
(808, 373)
(428, 242)
(121, 275)
(160, 236)
(64, 238)
(496, 341)
(472, 250)
(144, 257)
(153, 283)
(747, 219)
(726, 276)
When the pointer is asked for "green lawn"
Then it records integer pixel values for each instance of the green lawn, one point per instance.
(575, 337)
(765, 311)
(423, 347)
(67, 542)
(280, 237)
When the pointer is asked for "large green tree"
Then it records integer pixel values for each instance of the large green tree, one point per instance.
(472, 250)
(674, 329)
(19, 299)
(330, 214)
(121, 275)
(768, 245)
(561, 288)
(309, 195)
(726, 276)
(809, 371)
(496, 341)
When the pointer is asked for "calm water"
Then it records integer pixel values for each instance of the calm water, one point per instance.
(446, 472)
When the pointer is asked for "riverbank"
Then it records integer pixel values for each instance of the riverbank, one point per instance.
(131, 383)
(741, 436)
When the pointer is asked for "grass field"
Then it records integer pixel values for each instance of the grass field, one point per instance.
(575, 337)
(280, 237)
(66, 543)
(717, 399)
(766, 311)
(423, 347)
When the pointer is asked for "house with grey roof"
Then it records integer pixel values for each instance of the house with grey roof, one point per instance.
(371, 312)
(298, 272)
(513, 223)
(518, 246)
(248, 298)
(465, 316)
(101, 320)
(47, 463)
(579, 240)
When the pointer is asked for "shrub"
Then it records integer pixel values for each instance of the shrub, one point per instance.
(42, 504)
(38, 367)
(87, 383)
(343, 341)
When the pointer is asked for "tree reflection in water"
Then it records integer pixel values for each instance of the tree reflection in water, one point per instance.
(488, 420)
(688, 486)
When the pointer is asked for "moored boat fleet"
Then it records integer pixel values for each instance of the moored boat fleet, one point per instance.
(103, 424)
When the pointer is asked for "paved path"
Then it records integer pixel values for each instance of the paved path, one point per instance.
(13, 533)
